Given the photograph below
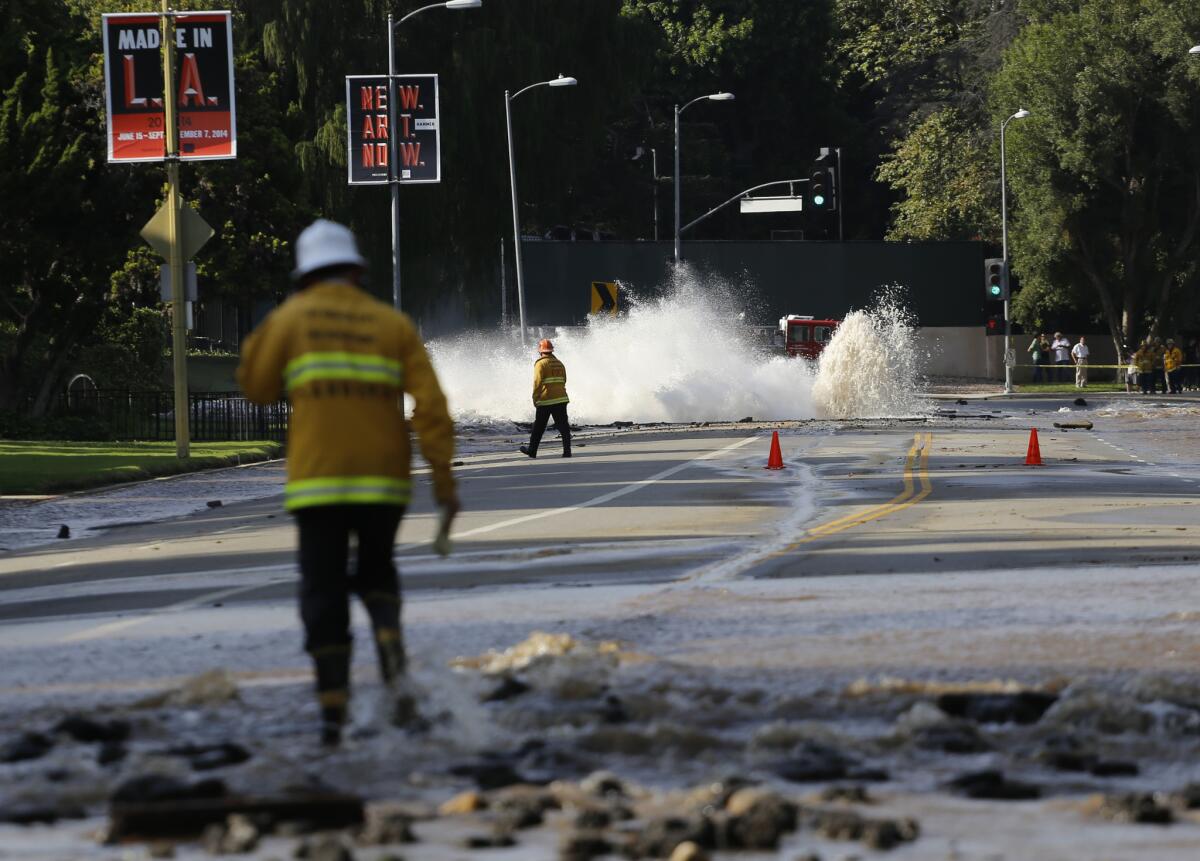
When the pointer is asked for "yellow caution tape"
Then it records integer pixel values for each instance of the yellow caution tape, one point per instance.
(1089, 365)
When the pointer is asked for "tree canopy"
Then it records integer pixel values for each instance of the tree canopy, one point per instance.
(1104, 176)
(1106, 171)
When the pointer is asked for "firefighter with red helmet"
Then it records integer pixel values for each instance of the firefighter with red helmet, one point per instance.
(549, 399)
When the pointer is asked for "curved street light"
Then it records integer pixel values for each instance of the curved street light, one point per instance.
(393, 153)
(712, 97)
(1195, 49)
(560, 81)
(1019, 115)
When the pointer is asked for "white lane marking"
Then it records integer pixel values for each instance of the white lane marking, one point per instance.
(598, 500)
(124, 624)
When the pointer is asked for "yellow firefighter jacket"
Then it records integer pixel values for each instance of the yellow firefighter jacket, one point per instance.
(1172, 358)
(345, 361)
(549, 381)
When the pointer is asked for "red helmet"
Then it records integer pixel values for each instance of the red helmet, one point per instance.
(544, 346)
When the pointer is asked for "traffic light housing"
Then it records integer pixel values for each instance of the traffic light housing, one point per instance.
(822, 189)
(818, 188)
(995, 324)
(822, 181)
(995, 279)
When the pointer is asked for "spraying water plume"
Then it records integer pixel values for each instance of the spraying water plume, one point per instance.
(682, 357)
(872, 366)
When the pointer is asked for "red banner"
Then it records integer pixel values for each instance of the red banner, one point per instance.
(134, 86)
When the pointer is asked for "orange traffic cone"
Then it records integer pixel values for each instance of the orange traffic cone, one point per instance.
(775, 459)
(1033, 457)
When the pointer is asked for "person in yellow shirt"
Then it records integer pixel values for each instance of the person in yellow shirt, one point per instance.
(345, 361)
(1144, 359)
(1172, 360)
(549, 399)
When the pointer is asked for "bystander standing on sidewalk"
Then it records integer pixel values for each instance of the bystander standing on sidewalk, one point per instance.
(1159, 374)
(1062, 357)
(1191, 358)
(1080, 354)
(1037, 355)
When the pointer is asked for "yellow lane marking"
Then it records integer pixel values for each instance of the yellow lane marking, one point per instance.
(917, 459)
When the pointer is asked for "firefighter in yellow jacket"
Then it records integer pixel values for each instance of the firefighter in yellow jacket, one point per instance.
(345, 361)
(549, 399)
(1172, 360)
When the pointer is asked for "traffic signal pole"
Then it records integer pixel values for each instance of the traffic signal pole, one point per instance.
(839, 192)
(1004, 257)
(175, 258)
(1020, 114)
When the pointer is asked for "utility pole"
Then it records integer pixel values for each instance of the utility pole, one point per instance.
(175, 258)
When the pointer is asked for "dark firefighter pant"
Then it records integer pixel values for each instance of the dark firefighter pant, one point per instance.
(325, 587)
(559, 413)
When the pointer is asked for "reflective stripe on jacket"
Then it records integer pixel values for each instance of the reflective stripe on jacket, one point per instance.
(345, 360)
(549, 382)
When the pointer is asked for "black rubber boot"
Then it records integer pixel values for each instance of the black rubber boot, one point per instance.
(389, 648)
(331, 726)
(525, 450)
(332, 666)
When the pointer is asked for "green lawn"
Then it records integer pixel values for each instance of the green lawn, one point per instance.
(49, 467)
(1066, 388)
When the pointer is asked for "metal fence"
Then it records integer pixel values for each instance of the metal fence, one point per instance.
(212, 417)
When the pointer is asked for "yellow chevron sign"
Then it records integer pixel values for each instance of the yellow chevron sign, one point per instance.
(604, 297)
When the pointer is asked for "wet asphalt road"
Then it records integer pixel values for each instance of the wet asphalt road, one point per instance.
(948, 494)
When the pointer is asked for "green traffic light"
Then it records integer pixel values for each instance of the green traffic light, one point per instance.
(995, 289)
(818, 199)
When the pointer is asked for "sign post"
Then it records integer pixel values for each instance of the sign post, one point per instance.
(147, 117)
(175, 253)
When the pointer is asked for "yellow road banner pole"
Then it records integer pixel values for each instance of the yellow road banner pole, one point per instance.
(175, 259)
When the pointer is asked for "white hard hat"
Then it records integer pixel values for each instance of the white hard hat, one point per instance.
(325, 243)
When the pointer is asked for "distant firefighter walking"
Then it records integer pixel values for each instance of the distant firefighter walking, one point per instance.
(549, 399)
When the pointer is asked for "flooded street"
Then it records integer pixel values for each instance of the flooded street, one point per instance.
(984, 648)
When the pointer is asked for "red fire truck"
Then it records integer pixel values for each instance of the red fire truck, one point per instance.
(806, 336)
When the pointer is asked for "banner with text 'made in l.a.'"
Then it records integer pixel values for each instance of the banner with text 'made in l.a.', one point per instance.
(133, 86)
(417, 135)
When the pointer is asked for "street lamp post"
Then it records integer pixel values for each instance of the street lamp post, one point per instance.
(713, 97)
(654, 172)
(394, 152)
(560, 81)
(1019, 115)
